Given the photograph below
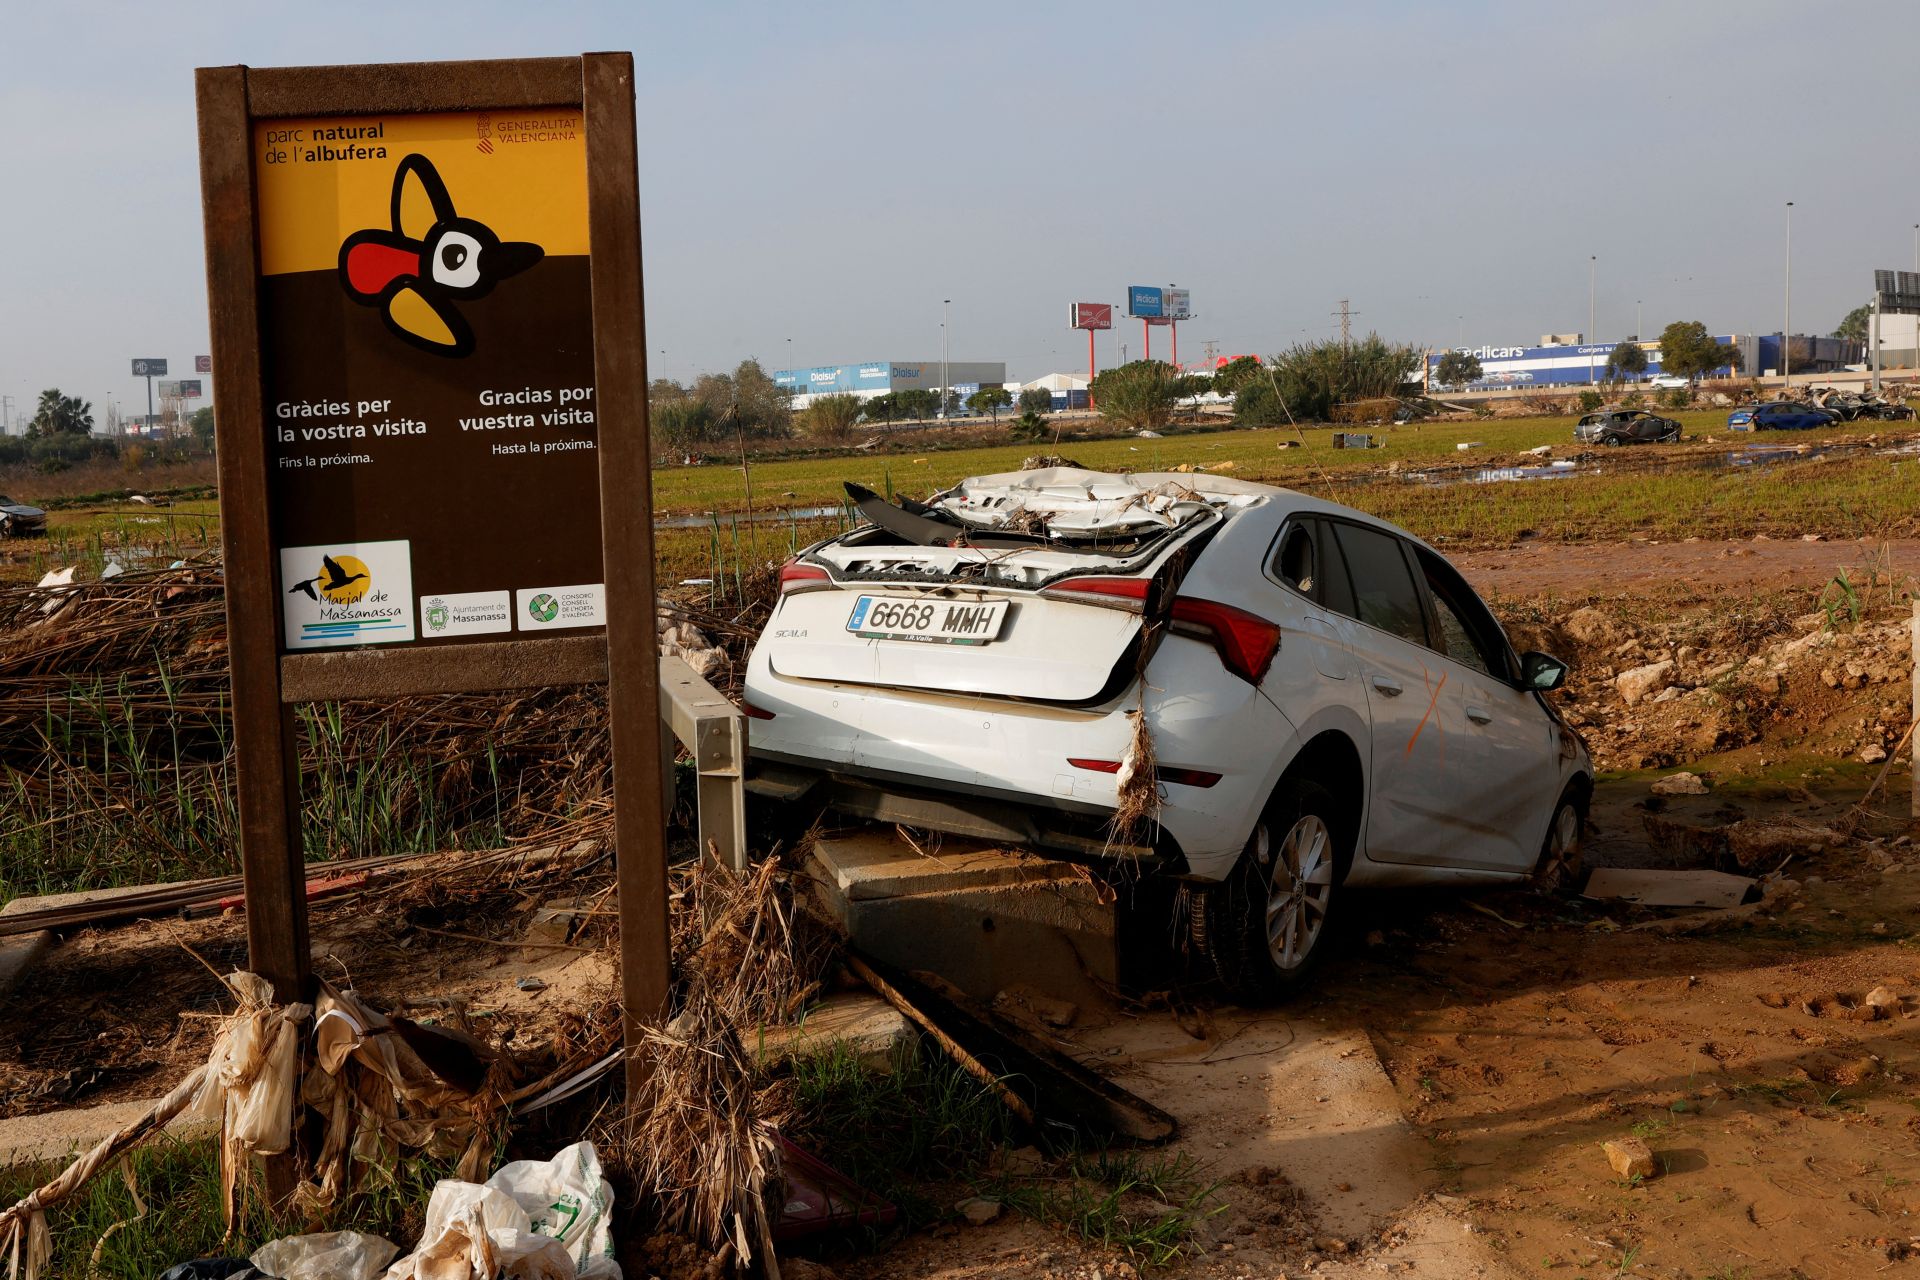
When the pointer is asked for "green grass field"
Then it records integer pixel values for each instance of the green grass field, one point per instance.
(1672, 492)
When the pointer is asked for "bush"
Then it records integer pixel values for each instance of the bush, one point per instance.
(678, 423)
(1591, 400)
(1314, 377)
(1036, 400)
(133, 458)
(831, 418)
(1027, 428)
(1675, 397)
(1138, 395)
(1256, 405)
(1377, 410)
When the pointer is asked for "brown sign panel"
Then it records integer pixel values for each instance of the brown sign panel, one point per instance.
(427, 361)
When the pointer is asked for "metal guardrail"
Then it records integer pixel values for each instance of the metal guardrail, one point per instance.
(704, 721)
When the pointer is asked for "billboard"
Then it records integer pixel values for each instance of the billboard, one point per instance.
(203, 364)
(1147, 301)
(1179, 304)
(427, 358)
(1091, 315)
(184, 388)
(149, 368)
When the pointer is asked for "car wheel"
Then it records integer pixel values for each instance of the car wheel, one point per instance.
(1265, 927)
(1611, 440)
(1562, 858)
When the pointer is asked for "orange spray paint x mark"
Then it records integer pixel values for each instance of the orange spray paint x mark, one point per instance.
(1433, 700)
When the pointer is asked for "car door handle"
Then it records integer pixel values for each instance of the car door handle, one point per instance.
(1479, 715)
(1386, 686)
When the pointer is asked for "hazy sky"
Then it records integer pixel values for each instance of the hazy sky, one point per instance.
(818, 177)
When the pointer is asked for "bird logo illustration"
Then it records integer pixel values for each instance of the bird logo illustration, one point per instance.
(426, 260)
(341, 581)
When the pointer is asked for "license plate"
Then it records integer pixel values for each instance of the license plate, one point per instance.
(927, 621)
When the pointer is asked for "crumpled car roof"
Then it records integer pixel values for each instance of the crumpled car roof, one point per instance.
(1070, 500)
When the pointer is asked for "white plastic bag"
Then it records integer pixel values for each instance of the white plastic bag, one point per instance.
(567, 1199)
(329, 1255)
(479, 1233)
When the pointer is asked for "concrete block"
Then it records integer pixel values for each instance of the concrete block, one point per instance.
(981, 917)
(865, 1024)
(873, 864)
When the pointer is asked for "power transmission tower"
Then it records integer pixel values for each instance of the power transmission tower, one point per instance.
(1346, 314)
(1210, 346)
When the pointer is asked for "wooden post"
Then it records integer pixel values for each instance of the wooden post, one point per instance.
(626, 523)
(265, 759)
(1913, 809)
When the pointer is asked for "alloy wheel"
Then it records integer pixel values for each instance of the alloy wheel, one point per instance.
(1299, 885)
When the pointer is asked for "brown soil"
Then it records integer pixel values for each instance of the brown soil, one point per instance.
(1695, 566)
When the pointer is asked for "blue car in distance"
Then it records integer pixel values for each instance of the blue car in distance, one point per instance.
(1781, 415)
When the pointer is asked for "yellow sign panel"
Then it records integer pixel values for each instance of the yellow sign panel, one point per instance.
(524, 175)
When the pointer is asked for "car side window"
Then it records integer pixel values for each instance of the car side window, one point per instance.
(1468, 633)
(1295, 563)
(1383, 589)
(1308, 561)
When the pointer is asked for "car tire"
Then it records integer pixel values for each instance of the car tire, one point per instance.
(1264, 928)
(1611, 441)
(1562, 864)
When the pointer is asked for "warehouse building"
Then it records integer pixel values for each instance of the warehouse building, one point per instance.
(878, 377)
(1576, 363)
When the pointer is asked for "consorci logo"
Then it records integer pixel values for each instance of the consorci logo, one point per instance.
(341, 580)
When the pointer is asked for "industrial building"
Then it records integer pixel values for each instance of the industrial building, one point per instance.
(1573, 362)
(878, 377)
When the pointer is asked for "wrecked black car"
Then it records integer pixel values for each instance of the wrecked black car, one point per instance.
(1626, 426)
(18, 520)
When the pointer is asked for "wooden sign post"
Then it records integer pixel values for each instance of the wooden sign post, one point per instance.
(424, 286)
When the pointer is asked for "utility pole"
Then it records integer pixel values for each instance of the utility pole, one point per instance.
(6, 415)
(1639, 334)
(1346, 314)
(1786, 319)
(946, 314)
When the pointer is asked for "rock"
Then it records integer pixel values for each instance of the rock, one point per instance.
(1883, 998)
(1637, 682)
(1872, 753)
(1589, 626)
(978, 1210)
(1630, 1157)
(1687, 655)
(1680, 784)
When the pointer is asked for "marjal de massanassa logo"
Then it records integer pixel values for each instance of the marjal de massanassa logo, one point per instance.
(344, 580)
(426, 260)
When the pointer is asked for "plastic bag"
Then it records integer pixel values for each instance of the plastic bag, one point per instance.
(212, 1269)
(478, 1233)
(328, 1255)
(533, 1220)
(566, 1198)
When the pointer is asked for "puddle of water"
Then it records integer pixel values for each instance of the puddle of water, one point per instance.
(782, 515)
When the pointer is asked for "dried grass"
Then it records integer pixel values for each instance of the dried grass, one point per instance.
(1137, 782)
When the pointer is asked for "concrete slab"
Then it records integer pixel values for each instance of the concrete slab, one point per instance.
(19, 954)
(865, 1024)
(60, 1135)
(872, 864)
(981, 917)
(87, 897)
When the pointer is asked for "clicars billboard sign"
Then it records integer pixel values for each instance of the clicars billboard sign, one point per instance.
(1146, 301)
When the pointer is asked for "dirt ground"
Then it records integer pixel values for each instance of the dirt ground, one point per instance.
(1611, 568)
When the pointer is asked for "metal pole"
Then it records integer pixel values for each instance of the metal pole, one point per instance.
(149, 404)
(1873, 340)
(946, 315)
(1786, 320)
(1174, 328)
(1593, 268)
(1916, 246)
(1089, 362)
(1146, 338)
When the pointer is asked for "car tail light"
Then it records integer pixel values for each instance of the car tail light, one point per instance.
(1164, 773)
(1130, 593)
(757, 713)
(1246, 643)
(795, 576)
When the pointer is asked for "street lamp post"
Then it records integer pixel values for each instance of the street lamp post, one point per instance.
(946, 314)
(1593, 267)
(1786, 319)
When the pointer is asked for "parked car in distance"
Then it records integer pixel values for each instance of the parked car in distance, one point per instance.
(1668, 381)
(1780, 415)
(18, 520)
(1626, 426)
(1329, 704)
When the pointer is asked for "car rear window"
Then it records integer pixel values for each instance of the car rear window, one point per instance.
(1383, 588)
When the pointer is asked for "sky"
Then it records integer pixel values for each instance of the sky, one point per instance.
(816, 178)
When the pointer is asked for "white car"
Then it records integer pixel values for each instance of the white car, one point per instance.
(1668, 381)
(1328, 704)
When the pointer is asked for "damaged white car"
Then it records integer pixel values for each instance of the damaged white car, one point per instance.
(1271, 696)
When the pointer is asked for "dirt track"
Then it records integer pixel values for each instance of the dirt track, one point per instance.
(1621, 568)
